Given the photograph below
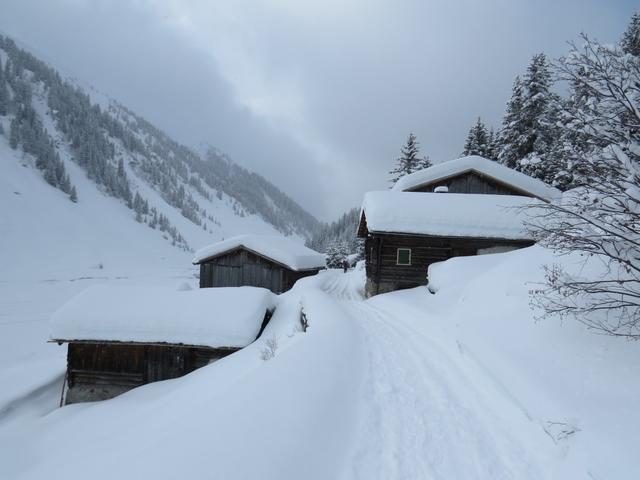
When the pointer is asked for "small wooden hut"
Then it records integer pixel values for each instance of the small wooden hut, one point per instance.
(268, 261)
(467, 206)
(121, 337)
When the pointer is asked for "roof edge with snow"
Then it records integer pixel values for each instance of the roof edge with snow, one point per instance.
(515, 180)
(450, 215)
(277, 249)
(224, 317)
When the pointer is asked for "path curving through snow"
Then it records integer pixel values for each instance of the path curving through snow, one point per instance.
(422, 415)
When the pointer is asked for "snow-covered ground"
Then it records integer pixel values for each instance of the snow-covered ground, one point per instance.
(460, 384)
(464, 383)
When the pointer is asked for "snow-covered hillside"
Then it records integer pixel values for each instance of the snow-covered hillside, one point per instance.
(71, 134)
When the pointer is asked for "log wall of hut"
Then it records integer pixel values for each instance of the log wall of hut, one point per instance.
(470, 182)
(244, 268)
(381, 255)
(99, 371)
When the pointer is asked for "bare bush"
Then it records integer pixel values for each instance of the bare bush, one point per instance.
(601, 219)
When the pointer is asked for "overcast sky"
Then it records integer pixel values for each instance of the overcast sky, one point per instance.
(316, 96)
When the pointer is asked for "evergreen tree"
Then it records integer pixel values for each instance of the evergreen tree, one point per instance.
(409, 160)
(630, 42)
(14, 133)
(537, 83)
(511, 134)
(73, 196)
(494, 145)
(477, 142)
(4, 94)
(50, 174)
(336, 253)
(65, 184)
(529, 135)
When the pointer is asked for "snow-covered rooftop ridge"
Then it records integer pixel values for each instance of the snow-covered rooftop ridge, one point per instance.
(280, 249)
(489, 168)
(211, 317)
(448, 214)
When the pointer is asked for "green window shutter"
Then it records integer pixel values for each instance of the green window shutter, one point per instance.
(404, 256)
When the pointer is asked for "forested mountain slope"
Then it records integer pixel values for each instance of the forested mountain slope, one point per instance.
(190, 198)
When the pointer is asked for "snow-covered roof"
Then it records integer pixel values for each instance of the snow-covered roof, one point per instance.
(483, 166)
(280, 249)
(211, 317)
(447, 214)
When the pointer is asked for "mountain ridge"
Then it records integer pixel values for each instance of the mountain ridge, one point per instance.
(55, 120)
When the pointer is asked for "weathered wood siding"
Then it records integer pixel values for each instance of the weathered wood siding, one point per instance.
(384, 275)
(98, 371)
(243, 268)
(470, 182)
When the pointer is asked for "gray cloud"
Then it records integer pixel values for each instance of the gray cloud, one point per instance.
(316, 96)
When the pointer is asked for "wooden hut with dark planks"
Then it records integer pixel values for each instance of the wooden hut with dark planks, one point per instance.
(120, 338)
(268, 261)
(468, 206)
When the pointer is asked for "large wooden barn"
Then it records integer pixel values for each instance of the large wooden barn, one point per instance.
(120, 338)
(268, 261)
(467, 206)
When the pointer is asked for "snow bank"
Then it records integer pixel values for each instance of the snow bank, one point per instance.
(212, 317)
(481, 165)
(274, 247)
(448, 214)
(290, 417)
(568, 396)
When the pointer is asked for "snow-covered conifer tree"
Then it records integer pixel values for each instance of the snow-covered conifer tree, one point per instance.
(336, 253)
(14, 133)
(477, 142)
(4, 93)
(529, 132)
(630, 42)
(493, 149)
(409, 160)
(512, 133)
(534, 113)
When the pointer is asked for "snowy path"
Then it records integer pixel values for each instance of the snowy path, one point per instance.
(422, 416)
(345, 286)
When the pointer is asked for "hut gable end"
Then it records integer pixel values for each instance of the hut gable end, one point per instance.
(268, 261)
(475, 174)
(471, 181)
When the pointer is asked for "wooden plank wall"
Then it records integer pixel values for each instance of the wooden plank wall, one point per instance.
(381, 251)
(470, 182)
(98, 371)
(243, 268)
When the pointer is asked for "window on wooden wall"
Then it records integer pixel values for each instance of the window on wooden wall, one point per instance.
(403, 256)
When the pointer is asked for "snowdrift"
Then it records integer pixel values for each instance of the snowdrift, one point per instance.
(569, 394)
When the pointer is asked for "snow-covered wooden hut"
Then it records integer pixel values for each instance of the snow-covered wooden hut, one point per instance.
(467, 206)
(123, 337)
(270, 261)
